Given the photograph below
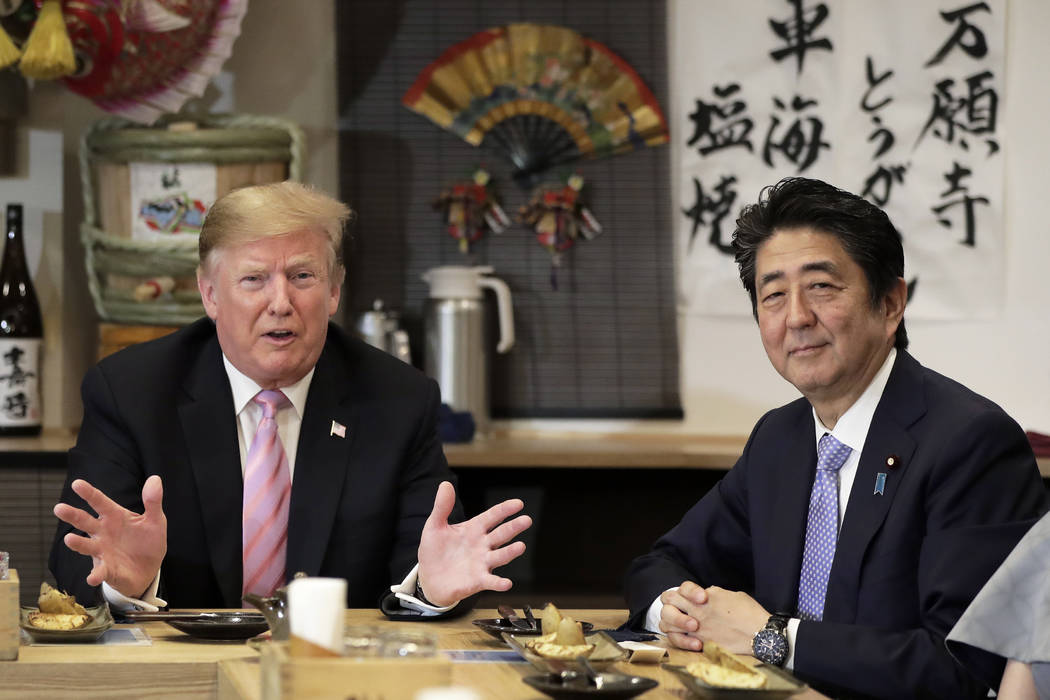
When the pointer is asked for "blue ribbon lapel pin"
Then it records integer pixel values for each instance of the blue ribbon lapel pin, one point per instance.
(880, 483)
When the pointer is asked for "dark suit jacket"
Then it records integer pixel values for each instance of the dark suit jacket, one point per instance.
(908, 561)
(358, 503)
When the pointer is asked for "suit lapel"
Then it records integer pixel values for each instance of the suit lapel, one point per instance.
(210, 428)
(321, 464)
(901, 405)
(792, 484)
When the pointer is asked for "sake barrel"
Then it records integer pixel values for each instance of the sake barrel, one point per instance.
(146, 192)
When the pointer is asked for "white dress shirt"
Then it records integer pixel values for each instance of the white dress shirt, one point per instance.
(852, 430)
(289, 422)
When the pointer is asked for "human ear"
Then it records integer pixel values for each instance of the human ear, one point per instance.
(206, 286)
(894, 302)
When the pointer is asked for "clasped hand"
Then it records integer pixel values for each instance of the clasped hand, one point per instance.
(126, 548)
(692, 614)
(456, 560)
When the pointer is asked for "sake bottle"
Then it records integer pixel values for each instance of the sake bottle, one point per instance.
(21, 336)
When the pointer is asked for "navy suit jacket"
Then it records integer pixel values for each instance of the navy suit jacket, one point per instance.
(358, 502)
(964, 490)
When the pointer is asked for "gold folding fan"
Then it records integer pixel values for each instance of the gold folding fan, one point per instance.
(540, 96)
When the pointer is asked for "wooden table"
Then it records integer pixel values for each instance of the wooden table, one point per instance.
(176, 666)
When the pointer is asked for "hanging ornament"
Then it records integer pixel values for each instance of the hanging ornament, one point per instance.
(137, 59)
(559, 217)
(142, 58)
(539, 96)
(48, 52)
(469, 208)
(33, 34)
(9, 51)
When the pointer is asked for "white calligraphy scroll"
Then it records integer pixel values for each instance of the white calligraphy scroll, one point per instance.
(899, 101)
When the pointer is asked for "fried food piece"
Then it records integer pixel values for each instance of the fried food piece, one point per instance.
(716, 666)
(550, 618)
(58, 621)
(570, 632)
(52, 600)
(562, 651)
(562, 636)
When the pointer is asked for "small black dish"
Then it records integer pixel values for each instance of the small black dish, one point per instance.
(497, 626)
(779, 685)
(224, 626)
(578, 685)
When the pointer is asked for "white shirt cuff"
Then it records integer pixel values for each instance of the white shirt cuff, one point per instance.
(792, 632)
(406, 590)
(652, 618)
(148, 603)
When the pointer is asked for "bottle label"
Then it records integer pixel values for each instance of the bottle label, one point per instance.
(19, 382)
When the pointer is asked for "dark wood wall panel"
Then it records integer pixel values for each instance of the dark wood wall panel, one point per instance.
(605, 343)
(27, 523)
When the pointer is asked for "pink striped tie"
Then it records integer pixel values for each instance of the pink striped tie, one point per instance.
(267, 487)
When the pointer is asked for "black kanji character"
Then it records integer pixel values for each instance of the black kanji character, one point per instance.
(976, 48)
(718, 208)
(797, 32)
(734, 132)
(801, 142)
(955, 185)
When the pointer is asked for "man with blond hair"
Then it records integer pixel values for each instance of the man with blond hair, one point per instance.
(263, 441)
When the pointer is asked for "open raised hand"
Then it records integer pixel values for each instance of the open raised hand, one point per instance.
(456, 561)
(126, 548)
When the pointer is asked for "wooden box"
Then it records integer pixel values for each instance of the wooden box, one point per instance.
(10, 634)
(234, 150)
(286, 678)
(117, 336)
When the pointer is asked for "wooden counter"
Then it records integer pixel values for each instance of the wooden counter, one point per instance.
(50, 440)
(601, 450)
(173, 666)
(178, 666)
(545, 450)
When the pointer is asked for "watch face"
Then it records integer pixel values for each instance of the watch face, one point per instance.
(770, 646)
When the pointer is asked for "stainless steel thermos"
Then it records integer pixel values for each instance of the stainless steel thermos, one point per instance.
(455, 350)
(380, 328)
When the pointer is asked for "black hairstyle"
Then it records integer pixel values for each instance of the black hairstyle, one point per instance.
(864, 231)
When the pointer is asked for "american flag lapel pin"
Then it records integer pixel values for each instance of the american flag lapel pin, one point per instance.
(338, 429)
(880, 483)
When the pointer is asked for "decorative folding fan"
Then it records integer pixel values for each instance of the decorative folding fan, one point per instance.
(540, 96)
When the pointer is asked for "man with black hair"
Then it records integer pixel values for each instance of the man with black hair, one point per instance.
(862, 518)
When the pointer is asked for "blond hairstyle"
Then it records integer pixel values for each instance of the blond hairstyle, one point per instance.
(259, 211)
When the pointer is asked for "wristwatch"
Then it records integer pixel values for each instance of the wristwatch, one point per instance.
(419, 592)
(770, 644)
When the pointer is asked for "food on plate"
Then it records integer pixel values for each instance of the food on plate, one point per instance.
(562, 636)
(551, 650)
(716, 666)
(52, 600)
(58, 621)
(58, 611)
(570, 632)
(550, 618)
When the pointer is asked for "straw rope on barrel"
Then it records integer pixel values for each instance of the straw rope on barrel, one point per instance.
(245, 149)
